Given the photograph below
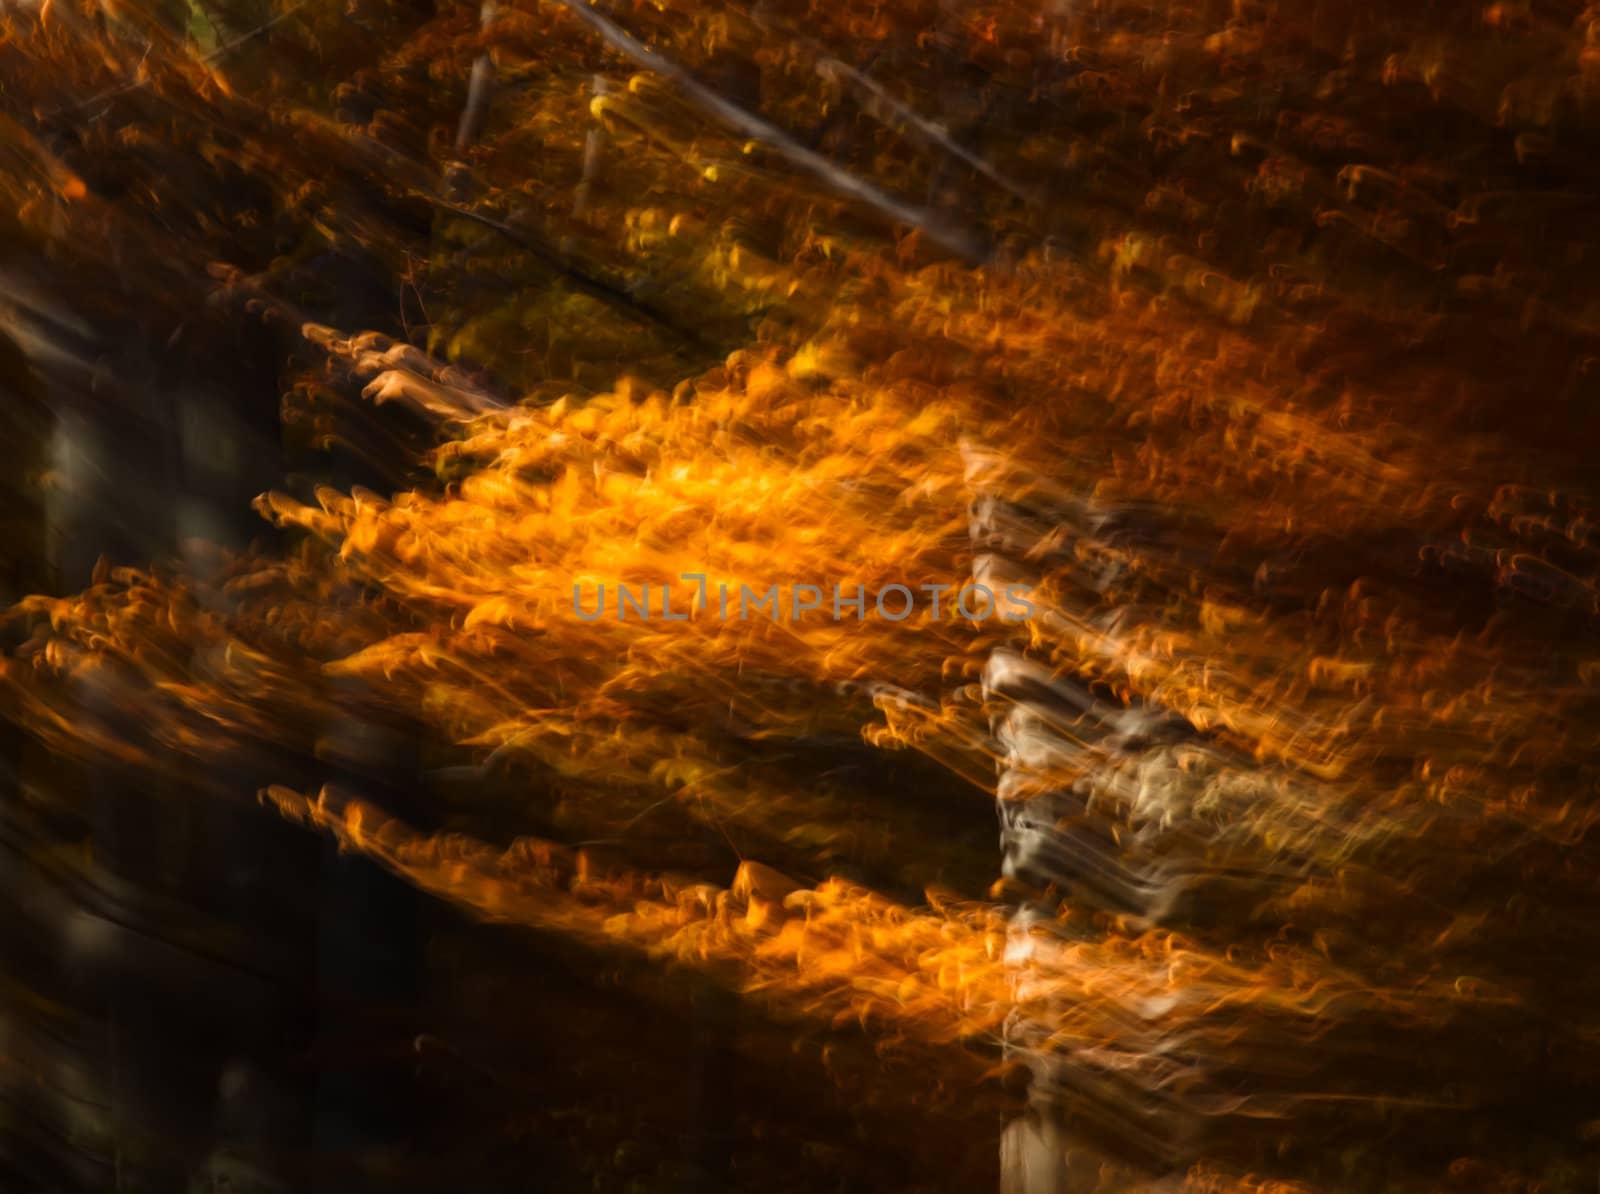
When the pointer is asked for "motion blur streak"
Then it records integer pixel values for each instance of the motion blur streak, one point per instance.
(338, 344)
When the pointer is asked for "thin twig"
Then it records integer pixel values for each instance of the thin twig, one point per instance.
(220, 52)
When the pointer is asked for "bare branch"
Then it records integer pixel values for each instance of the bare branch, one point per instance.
(960, 241)
(479, 87)
(888, 109)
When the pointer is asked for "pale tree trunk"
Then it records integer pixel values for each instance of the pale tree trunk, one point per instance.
(1039, 1152)
(593, 152)
(480, 86)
